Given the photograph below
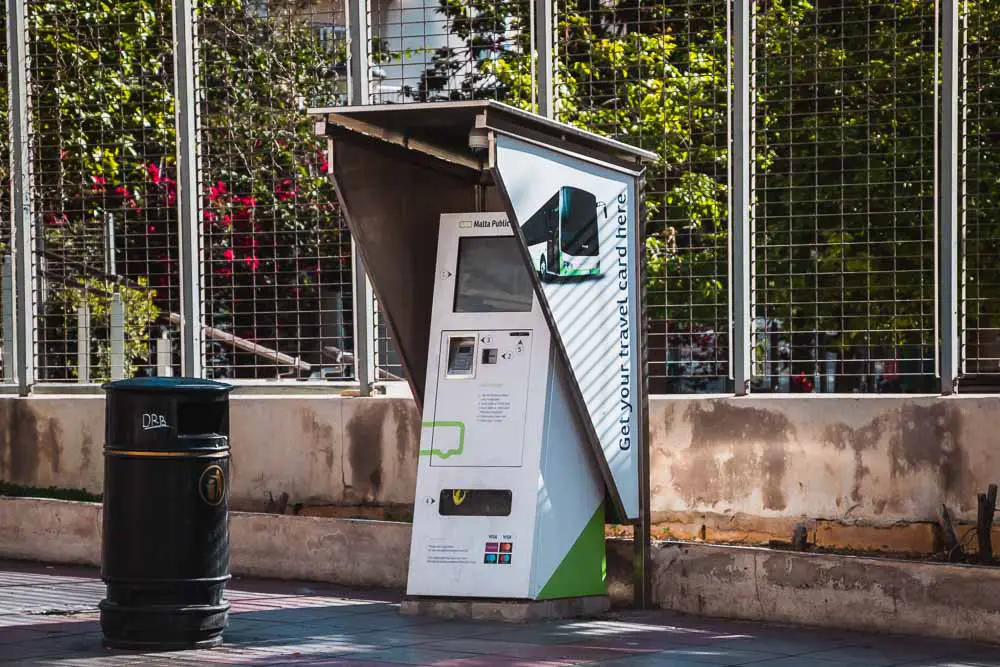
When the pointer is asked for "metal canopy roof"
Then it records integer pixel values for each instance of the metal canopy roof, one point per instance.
(443, 127)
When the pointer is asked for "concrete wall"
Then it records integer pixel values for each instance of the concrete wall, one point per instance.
(342, 551)
(928, 599)
(867, 594)
(723, 469)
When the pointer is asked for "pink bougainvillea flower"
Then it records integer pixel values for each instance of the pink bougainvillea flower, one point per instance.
(154, 173)
(217, 191)
(252, 262)
(229, 254)
(98, 183)
(209, 216)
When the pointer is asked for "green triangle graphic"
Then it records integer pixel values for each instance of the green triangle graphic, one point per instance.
(582, 571)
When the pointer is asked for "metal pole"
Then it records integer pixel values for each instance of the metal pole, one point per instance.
(8, 320)
(358, 37)
(110, 265)
(164, 356)
(83, 343)
(544, 44)
(362, 323)
(949, 354)
(17, 61)
(642, 530)
(359, 91)
(185, 75)
(740, 218)
(117, 338)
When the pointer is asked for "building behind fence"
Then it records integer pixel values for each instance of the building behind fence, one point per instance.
(858, 139)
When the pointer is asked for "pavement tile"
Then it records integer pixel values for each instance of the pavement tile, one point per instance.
(49, 617)
(505, 661)
(869, 656)
(718, 655)
(653, 660)
(346, 662)
(790, 661)
(415, 655)
(571, 653)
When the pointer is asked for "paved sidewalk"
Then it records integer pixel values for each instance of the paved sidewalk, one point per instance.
(48, 617)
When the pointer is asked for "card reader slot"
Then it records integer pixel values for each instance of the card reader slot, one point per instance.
(461, 356)
(475, 502)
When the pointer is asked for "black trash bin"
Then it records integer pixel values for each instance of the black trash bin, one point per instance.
(165, 553)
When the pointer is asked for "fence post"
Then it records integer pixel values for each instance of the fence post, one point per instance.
(950, 222)
(21, 204)
(164, 356)
(189, 224)
(8, 320)
(543, 41)
(117, 357)
(358, 38)
(359, 91)
(740, 213)
(364, 338)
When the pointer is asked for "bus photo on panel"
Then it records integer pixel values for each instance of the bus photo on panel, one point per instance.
(568, 226)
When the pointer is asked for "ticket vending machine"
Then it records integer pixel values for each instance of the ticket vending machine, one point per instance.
(509, 500)
(504, 250)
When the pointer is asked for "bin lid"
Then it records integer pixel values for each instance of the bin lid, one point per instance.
(168, 384)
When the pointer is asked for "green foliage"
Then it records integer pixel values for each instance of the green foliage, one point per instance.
(105, 152)
(139, 308)
(844, 169)
(844, 164)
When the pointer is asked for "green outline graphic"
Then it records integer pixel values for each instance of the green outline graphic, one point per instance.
(451, 452)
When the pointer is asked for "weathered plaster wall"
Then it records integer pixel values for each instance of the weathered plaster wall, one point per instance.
(745, 469)
(317, 450)
(871, 458)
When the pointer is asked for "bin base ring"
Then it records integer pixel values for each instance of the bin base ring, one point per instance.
(126, 645)
(163, 627)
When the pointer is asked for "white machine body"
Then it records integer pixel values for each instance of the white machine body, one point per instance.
(509, 501)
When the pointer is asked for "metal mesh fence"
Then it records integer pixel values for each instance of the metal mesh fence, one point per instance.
(843, 183)
(844, 196)
(654, 73)
(425, 51)
(102, 141)
(277, 277)
(981, 203)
